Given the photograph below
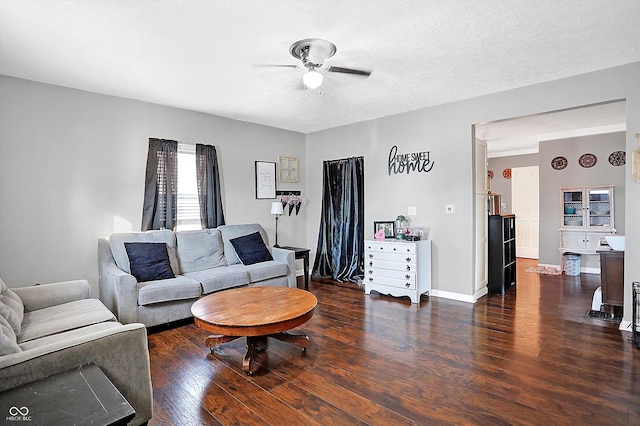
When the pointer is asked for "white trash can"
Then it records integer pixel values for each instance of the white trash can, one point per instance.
(571, 264)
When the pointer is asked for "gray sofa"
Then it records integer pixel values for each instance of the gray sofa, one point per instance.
(52, 328)
(202, 261)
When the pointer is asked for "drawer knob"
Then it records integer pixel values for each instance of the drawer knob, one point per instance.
(370, 263)
(370, 256)
(407, 276)
(370, 272)
(407, 285)
(370, 279)
(394, 249)
(408, 259)
(408, 267)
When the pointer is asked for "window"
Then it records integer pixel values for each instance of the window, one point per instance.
(188, 215)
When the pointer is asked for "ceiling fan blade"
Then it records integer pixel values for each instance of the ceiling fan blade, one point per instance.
(275, 66)
(349, 71)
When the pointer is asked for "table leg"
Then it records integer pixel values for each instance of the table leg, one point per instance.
(305, 261)
(296, 339)
(254, 344)
(217, 339)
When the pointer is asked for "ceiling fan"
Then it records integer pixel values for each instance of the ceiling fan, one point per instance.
(313, 52)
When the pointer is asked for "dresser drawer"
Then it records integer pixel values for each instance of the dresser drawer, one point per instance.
(392, 282)
(390, 273)
(391, 257)
(383, 247)
(394, 266)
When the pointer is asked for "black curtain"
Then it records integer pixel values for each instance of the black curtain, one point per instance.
(160, 188)
(209, 190)
(341, 238)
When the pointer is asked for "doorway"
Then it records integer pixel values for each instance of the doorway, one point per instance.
(519, 136)
(525, 205)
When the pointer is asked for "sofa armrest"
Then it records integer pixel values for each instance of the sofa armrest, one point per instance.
(45, 295)
(287, 257)
(118, 289)
(120, 352)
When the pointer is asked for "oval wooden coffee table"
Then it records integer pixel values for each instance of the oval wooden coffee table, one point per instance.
(255, 313)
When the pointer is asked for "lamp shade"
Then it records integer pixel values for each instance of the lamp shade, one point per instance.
(312, 79)
(276, 208)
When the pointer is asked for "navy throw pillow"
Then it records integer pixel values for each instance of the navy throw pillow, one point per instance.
(251, 249)
(149, 261)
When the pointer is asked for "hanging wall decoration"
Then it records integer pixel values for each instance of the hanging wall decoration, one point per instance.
(265, 179)
(618, 158)
(410, 162)
(559, 163)
(490, 174)
(287, 169)
(587, 160)
(506, 173)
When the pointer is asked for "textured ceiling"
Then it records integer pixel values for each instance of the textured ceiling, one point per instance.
(202, 55)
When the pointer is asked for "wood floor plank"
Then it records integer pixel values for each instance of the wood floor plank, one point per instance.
(528, 357)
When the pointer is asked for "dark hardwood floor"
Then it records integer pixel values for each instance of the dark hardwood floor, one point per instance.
(529, 357)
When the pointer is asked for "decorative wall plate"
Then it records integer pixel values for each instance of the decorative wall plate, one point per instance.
(559, 163)
(506, 173)
(587, 160)
(490, 173)
(618, 158)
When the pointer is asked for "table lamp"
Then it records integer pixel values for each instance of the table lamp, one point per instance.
(277, 210)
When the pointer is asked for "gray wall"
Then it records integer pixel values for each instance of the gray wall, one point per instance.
(502, 186)
(70, 161)
(91, 149)
(602, 173)
(445, 130)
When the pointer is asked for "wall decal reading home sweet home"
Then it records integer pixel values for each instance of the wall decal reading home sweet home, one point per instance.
(407, 163)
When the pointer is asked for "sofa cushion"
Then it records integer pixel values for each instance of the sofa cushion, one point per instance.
(116, 242)
(201, 249)
(11, 307)
(266, 270)
(149, 261)
(86, 332)
(8, 340)
(251, 249)
(233, 231)
(220, 278)
(63, 317)
(177, 288)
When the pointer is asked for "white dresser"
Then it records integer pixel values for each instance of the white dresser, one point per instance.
(398, 268)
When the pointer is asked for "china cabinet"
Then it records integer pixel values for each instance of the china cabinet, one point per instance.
(398, 268)
(586, 217)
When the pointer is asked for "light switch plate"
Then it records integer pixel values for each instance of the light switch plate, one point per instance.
(412, 211)
(450, 208)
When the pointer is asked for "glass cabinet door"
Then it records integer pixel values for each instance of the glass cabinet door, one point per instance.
(573, 208)
(599, 208)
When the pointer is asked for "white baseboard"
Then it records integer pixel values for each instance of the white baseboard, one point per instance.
(453, 296)
(625, 326)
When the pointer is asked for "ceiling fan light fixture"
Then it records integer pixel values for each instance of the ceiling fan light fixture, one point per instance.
(312, 79)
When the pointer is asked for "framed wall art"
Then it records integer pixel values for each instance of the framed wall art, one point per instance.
(287, 169)
(265, 179)
(388, 226)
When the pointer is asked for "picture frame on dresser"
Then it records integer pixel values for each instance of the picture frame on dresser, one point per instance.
(389, 227)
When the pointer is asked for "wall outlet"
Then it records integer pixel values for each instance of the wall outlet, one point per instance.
(450, 208)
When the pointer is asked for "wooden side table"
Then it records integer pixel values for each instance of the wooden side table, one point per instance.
(301, 253)
(84, 396)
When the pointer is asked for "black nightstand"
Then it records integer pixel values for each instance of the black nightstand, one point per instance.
(301, 253)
